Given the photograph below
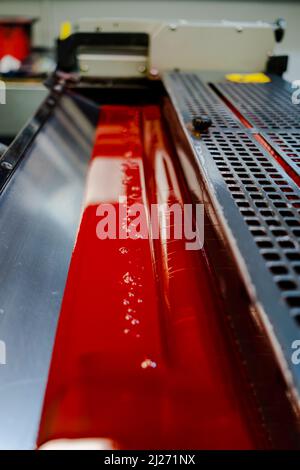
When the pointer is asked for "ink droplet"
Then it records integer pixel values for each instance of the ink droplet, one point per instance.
(148, 363)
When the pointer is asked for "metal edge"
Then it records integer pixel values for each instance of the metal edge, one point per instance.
(11, 158)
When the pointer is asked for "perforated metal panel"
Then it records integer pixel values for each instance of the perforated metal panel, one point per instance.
(267, 202)
(194, 98)
(260, 205)
(265, 106)
(287, 144)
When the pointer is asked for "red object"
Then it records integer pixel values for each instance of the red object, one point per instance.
(15, 37)
(140, 357)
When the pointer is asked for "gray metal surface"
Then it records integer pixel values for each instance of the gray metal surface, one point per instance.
(260, 205)
(195, 97)
(22, 101)
(39, 214)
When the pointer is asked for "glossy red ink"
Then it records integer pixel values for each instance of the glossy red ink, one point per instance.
(204, 407)
(139, 357)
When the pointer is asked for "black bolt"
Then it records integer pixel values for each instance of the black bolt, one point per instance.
(279, 29)
(201, 123)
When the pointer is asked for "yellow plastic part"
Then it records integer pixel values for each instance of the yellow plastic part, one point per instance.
(248, 77)
(65, 30)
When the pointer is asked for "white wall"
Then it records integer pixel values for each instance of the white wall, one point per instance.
(53, 12)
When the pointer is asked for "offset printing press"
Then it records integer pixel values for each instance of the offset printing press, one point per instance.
(126, 337)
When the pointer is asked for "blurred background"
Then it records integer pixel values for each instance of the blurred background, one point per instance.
(28, 47)
(51, 13)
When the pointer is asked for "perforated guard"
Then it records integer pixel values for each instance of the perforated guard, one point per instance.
(194, 98)
(261, 207)
(287, 144)
(265, 106)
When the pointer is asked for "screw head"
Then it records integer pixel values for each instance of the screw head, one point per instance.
(50, 102)
(172, 27)
(142, 68)
(6, 165)
(58, 87)
(84, 68)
